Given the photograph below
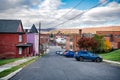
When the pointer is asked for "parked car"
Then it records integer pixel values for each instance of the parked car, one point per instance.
(59, 52)
(69, 53)
(81, 55)
(65, 52)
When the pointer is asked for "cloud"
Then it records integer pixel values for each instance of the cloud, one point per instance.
(10, 4)
(50, 4)
(46, 11)
(101, 15)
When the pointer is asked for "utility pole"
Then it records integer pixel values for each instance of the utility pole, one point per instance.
(39, 37)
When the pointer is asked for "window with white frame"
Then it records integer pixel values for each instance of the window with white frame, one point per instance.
(20, 38)
(20, 50)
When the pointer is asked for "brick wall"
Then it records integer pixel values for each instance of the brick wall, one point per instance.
(113, 36)
(8, 44)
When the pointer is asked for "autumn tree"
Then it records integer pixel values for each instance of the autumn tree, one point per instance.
(87, 44)
(108, 46)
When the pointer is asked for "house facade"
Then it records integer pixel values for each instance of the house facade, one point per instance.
(13, 41)
(71, 41)
(33, 38)
(44, 41)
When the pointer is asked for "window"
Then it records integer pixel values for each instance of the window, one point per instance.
(71, 39)
(70, 46)
(117, 36)
(20, 38)
(20, 50)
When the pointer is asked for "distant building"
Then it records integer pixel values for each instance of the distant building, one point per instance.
(71, 41)
(93, 29)
(13, 42)
(44, 41)
(112, 36)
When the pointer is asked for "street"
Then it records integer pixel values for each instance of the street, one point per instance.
(56, 67)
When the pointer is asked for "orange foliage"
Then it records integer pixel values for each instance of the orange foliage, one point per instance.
(108, 45)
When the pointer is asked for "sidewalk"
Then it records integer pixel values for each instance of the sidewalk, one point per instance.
(12, 64)
(112, 62)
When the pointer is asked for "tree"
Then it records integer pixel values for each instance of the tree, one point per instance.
(51, 35)
(87, 44)
(108, 45)
(100, 40)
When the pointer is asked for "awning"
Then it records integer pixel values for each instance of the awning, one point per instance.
(24, 45)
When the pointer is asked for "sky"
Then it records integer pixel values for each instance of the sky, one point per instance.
(62, 13)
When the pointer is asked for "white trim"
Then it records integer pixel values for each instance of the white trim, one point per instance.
(20, 38)
(20, 50)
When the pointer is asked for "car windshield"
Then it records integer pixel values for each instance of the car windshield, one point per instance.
(90, 53)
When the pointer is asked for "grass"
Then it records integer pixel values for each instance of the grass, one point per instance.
(8, 71)
(6, 61)
(113, 56)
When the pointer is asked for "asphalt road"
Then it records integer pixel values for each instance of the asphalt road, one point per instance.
(55, 67)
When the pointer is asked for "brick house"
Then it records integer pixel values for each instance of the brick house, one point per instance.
(71, 41)
(43, 41)
(13, 40)
(112, 36)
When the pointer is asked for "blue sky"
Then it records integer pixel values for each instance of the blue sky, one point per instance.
(50, 13)
(84, 4)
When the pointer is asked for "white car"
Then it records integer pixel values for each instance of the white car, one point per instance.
(59, 52)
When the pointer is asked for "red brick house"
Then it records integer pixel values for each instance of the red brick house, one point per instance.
(13, 40)
(71, 41)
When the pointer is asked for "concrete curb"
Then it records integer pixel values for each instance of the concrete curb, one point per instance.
(112, 62)
(11, 74)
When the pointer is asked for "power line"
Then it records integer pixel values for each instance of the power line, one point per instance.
(72, 8)
(68, 11)
(81, 13)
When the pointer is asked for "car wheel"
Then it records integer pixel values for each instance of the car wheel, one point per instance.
(93, 60)
(81, 58)
(98, 60)
(77, 59)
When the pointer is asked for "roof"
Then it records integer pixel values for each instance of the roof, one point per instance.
(24, 45)
(9, 25)
(33, 29)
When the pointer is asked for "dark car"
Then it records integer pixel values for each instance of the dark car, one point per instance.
(81, 55)
(69, 53)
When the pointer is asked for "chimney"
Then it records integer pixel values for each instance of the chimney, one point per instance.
(80, 31)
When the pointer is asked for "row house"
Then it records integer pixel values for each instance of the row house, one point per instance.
(33, 38)
(40, 40)
(13, 40)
